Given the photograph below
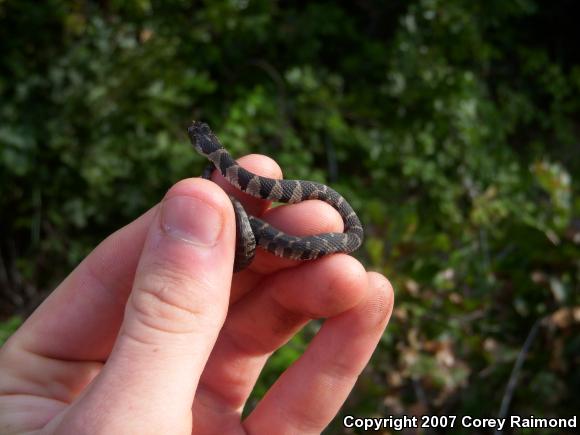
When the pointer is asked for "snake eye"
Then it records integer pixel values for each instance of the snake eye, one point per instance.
(201, 127)
(202, 137)
(198, 128)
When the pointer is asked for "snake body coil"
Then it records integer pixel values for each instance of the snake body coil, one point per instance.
(252, 231)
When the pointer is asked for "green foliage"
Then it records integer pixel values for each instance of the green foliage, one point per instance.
(8, 327)
(451, 125)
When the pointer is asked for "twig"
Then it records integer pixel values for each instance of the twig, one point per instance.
(420, 392)
(277, 78)
(332, 164)
(513, 380)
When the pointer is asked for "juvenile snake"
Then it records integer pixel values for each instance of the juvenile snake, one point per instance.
(252, 231)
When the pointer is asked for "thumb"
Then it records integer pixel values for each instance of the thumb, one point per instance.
(173, 316)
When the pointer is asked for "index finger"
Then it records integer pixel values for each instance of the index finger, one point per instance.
(260, 165)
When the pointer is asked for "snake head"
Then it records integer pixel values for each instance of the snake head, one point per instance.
(202, 138)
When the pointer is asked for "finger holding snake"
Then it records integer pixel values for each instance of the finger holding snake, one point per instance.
(305, 218)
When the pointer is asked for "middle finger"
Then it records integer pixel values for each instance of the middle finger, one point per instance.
(266, 319)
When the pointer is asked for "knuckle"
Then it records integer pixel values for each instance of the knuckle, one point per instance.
(170, 300)
(338, 368)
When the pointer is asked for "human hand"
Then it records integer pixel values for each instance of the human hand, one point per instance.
(151, 334)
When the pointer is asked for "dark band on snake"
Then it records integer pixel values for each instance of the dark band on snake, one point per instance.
(252, 231)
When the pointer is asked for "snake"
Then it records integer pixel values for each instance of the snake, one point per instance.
(252, 231)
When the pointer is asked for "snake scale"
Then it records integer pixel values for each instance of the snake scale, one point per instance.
(252, 231)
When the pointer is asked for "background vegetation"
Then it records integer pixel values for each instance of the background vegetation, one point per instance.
(451, 125)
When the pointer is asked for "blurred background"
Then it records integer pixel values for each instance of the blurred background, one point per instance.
(451, 126)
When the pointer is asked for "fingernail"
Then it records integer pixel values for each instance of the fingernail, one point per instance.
(191, 219)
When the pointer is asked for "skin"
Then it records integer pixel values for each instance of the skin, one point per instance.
(152, 334)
